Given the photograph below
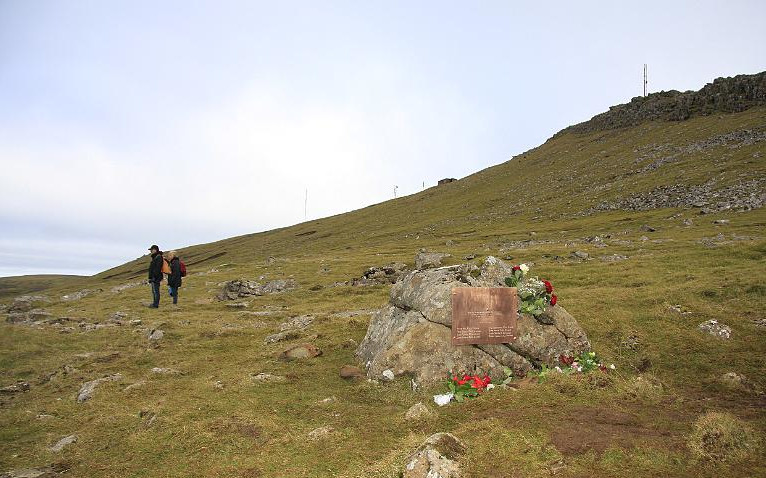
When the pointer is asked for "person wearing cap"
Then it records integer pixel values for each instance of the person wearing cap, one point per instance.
(155, 274)
(174, 278)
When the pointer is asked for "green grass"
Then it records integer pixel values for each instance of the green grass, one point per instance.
(578, 427)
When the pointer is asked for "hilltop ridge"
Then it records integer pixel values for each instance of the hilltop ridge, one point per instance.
(723, 95)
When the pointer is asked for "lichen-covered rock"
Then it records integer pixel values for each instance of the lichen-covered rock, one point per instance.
(412, 335)
(236, 289)
(436, 458)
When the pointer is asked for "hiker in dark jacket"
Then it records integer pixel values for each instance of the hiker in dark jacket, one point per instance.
(174, 279)
(155, 274)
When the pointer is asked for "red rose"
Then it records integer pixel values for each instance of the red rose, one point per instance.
(516, 268)
(554, 299)
(548, 286)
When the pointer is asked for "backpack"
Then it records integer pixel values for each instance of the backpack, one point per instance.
(183, 268)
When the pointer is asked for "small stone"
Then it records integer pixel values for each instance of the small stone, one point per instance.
(647, 228)
(237, 305)
(328, 400)
(300, 322)
(349, 372)
(132, 386)
(715, 329)
(301, 351)
(267, 378)
(87, 389)
(735, 380)
(614, 258)
(418, 411)
(166, 371)
(155, 335)
(688, 222)
(135, 322)
(218, 385)
(643, 238)
(282, 336)
(580, 255)
(388, 375)
(436, 457)
(760, 323)
(17, 387)
(67, 440)
(721, 222)
(469, 257)
(320, 433)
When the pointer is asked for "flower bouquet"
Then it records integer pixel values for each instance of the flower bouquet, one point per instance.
(534, 294)
(460, 388)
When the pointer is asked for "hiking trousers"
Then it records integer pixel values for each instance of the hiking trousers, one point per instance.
(156, 294)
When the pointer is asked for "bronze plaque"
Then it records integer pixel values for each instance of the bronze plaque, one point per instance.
(484, 315)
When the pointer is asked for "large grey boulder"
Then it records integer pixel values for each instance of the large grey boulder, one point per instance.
(412, 334)
(428, 260)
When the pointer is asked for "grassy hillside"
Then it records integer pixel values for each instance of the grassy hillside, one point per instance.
(213, 419)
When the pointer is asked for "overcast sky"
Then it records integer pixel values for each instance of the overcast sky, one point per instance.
(124, 124)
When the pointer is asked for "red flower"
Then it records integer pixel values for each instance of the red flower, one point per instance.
(516, 268)
(554, 299)
(548, 286)
(602, 367)
(566, 360)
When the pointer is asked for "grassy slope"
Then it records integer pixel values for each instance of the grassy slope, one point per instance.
(598, 429)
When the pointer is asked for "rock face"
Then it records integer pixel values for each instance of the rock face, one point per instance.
(236, 289)
(412, 335)
(387, 274)
(436, 458)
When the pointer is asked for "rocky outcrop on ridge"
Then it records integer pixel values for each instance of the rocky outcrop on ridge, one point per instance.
(723, 95)
(412, 334)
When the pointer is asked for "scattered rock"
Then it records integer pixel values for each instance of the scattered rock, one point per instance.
(582, 255)
(300, 351)
(349, 372)
(721, 222)
(679, 309)
(237, 305)
(614, 258)
(387, 274)
(469, 257)
(43, 472)
(166, 371)
(436, 457)
(133, 386)
(17, 387)
(67, 440)
(235, 289)
(148, 417)
(77, 295)
(155, 335)
(737, 381)
(135, 322)
(760, 323)
(124, 287)
(320, 433)
(267, 378)
(296, 323)
(647, 228)
(688, 222)
(282, 336)
(218, 385)
(418, 411)
(715, 329)
(388, 375)
(87, 389)
(429, 260)
(328, 400)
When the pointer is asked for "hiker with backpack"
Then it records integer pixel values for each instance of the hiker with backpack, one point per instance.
(176, 273)
(155, 274)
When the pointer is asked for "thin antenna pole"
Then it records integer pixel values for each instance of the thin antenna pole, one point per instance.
(645, 79)
(306, 205)
(395, 188)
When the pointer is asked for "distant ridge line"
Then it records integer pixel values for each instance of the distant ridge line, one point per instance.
(723, 95)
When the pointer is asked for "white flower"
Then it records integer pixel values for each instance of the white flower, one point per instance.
(558, 369)
(524, 268)
(490, 386)
(442, 399)
(612, 367)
